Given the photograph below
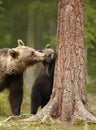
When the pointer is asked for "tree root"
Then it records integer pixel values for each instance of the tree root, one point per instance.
(83, 113)
(8, 119)
(14, 117)
(41, 119)
(46, 113)
(42, 116)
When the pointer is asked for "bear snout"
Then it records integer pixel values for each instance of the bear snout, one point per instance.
(51, 56)
(55, 55)
(40, 56)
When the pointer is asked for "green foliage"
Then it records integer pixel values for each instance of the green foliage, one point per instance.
(14, 20)
(49, 39)
(44, 19)
(91, 87)
(90, 23)
(16, 15)
(91, 62)
(13, 23)
(90, 37)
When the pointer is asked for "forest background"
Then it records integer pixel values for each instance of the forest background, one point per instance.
(35, 22)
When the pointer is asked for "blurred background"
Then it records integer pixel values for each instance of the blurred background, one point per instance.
(35, 22)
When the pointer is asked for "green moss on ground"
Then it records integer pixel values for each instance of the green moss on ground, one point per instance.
(15, 125)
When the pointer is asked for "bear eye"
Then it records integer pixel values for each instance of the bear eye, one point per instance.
(32, 53)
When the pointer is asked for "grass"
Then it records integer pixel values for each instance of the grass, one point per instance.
(91, 87)
(14, 124)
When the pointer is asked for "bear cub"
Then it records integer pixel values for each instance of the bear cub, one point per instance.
(42, 87)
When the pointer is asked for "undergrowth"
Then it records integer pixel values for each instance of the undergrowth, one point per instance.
(14, 124)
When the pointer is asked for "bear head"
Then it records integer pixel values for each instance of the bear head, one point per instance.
(19, 58)
(50, 54)
(49, 62)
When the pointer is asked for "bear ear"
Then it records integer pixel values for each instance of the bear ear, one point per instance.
(13, 53)
(48, 46)
(20, 42)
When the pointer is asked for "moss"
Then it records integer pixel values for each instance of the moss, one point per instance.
(79, 123)
(15, 125)
(92, 126)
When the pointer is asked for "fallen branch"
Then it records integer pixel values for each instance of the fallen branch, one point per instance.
(14, 117)
(9, 118)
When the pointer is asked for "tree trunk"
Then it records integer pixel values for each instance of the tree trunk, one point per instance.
(68, 100)
(71, 56)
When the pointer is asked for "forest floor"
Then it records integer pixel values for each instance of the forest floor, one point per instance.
(14, 124)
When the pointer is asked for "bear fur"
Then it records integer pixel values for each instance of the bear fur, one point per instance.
(42, 87)
(13, 62)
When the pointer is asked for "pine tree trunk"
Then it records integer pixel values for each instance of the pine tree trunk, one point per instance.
(71, 56)
(70, 70)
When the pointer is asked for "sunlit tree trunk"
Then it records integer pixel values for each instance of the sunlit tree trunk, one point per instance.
(70, 67)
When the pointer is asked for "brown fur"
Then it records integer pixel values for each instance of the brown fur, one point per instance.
(13, 62)
(43, 84)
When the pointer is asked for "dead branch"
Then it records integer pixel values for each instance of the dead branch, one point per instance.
(14, 117)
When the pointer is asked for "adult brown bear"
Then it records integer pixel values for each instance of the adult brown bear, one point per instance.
(42, 87)
(13, 62)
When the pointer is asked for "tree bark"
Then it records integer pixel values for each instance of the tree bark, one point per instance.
(70, 71)
(68, 100)
(71, 55)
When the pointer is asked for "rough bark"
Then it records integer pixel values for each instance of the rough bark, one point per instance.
(70, 68)
(68, 100)
(71, 53)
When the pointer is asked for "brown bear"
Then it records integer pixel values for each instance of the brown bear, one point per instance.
(13, 62)
(42, 87)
